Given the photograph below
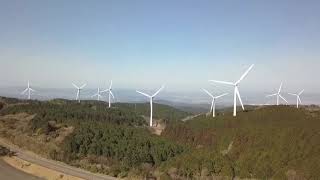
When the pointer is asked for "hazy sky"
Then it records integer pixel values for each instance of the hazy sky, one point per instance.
(144, 43)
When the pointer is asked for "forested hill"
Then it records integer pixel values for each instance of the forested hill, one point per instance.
(66, 110)
(275, 142)
(272, 142)
(160, 111)
(114, 141)
(71, 112)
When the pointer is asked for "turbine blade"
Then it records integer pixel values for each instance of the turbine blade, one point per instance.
(221, 95)
(110, 85)
(283, 98)
(84, 85)
(208, 93)
(271, 95)
(158, 91)
(293, 94)
(299, 100)
(104, 91)
(222, 82)
(144, 94)
(239, 97)
(32, 90)
(111, 94)
(23, 92)
(75, 86)
(280, 88)
(301, 92)
(245, 74)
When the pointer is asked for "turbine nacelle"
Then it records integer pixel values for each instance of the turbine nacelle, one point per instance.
(298, 97)
(278, 94)
(29, 90)
(213, 105)
(79, 90)
(236, 90)
(97, 94)
(151, 97)
(110, 93)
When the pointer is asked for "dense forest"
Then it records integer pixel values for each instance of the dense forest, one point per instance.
(263, 142)
(267, 143)
(117, 139)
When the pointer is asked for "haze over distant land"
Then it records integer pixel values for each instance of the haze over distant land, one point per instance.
(143, 44)
(165, 97)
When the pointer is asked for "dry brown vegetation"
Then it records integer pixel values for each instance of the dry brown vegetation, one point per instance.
(16, 128)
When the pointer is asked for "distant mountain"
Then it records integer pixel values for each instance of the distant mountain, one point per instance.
(185, 99)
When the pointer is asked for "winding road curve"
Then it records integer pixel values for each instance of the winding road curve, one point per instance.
(54, 165)
(9, 172)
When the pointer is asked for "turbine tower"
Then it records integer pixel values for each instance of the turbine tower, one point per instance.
(278, 94)
(78, 91)
(213, 102)
(28, 89)
(110, 93)
(298, 97)
(236, 90)
(151, 101)
(98, 94)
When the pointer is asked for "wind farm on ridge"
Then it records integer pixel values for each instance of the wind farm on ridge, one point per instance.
(159, 90)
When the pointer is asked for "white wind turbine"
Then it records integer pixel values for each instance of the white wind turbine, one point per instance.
(278, 94)
(151, 101)
(78, 91)
(28, 89)
(298, 97)
(236, 90)
(110, 93)
(98, 94)
(213, 102)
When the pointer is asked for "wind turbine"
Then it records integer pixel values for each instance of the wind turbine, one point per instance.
(98, 94)
(151, 100)
(78, 91)
(278, 95)
(236, 90)
(110, 93)
(298, 97)
(213, 102)
(28, 89)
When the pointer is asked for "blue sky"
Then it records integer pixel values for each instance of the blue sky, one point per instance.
(145, 43)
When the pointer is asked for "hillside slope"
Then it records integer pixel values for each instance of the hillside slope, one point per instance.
(160, 111)
(269, 142)
(114, 141)
(265, 143)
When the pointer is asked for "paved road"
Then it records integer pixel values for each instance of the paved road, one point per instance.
(190, 117)
(9, 172)
(57, 166)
